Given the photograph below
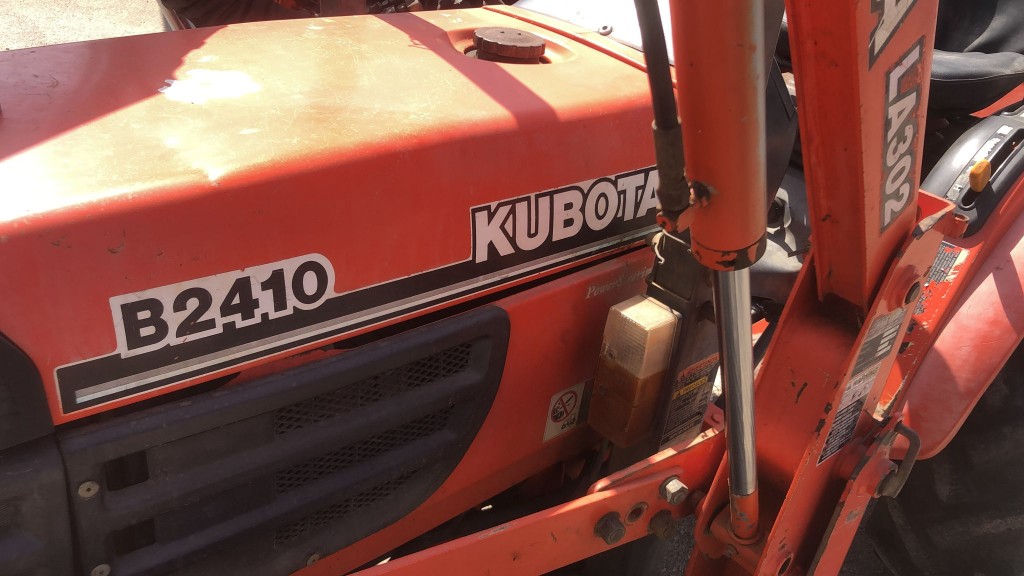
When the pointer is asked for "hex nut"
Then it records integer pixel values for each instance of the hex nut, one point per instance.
(87, 490)
(674, 491)
(101, 570)
(610, 528)
(313, 559)
(662, 525)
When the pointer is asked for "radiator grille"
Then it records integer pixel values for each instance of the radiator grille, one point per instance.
(316, 468)
(374, 389)
(348, 444)
(326, 516)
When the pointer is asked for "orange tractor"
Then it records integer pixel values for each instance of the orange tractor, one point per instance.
(419, 293)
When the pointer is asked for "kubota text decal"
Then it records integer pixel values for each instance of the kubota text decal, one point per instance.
(586, 209)
(177, 332)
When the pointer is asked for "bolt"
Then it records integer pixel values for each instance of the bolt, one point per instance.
(697, 498)
(730, 551)
(101, 570)
(313, 559)
(674, 491)
(913, 294)
(87, 490)
(662, 525)
(605, 30)
(610, 528)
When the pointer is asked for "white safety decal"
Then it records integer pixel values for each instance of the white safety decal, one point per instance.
(877, 345)
(564, 411)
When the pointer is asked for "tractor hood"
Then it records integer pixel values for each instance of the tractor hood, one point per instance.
(177, 207)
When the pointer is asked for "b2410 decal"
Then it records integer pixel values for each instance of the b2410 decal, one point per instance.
(171, 315)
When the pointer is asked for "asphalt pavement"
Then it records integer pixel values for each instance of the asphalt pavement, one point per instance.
(28, 23)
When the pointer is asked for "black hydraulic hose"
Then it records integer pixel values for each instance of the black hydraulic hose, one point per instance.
(656, 56)
(673, 189)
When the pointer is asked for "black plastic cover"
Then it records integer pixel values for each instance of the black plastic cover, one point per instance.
(24, 414)
(258, 477)
(35, 530)
(996, 139)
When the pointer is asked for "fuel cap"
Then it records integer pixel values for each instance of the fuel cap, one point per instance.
(508, 45)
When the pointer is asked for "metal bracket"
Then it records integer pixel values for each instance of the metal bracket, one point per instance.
(893, 483)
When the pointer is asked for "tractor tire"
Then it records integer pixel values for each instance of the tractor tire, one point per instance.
(962, 512)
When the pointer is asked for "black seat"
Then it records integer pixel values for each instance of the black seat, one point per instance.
(979, 54)
(965, 82)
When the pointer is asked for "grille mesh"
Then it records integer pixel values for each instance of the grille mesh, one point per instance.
(8, 514)
(374, 389)
(311, 470)
(326, 516)
(377, 388)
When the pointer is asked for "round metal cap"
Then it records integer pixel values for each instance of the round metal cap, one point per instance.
(508, 43)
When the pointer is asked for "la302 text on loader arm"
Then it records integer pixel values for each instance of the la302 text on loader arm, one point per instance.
(493, 291)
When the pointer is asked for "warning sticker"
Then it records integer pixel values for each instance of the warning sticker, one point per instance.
(691, 392)
(880, 339)
(849, 412)
(878, 343)
(939, 282)
(564, 411)
(947, 256)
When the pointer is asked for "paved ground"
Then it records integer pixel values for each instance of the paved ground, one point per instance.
(25, 24)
